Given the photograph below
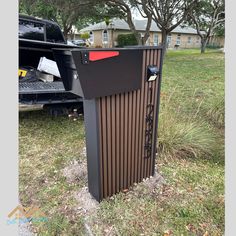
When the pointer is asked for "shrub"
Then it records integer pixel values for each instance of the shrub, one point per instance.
(85, 36)
(213, 46)
(126, 40)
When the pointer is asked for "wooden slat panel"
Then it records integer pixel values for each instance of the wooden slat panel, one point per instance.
(122, 133)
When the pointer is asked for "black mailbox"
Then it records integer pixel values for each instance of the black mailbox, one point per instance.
(99, 73)
(121, 91)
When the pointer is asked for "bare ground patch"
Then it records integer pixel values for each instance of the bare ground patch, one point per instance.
(75, 172)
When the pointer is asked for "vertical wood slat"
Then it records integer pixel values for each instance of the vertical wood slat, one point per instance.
(109, 161)
(122, 115)
(137, 114)
(101, 150)
(117, 114)
(104, 149)
(122, 133)
(129, 156)
(125, 141)
(113, 143)
(134, 106)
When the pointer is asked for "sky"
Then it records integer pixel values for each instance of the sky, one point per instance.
(136, 14)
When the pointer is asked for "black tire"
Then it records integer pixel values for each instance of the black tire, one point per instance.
(63, 109)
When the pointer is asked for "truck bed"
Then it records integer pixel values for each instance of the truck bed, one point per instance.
(39, 92)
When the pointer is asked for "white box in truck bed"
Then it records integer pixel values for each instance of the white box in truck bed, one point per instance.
(48, 66)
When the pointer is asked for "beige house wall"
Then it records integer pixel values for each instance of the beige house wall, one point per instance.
(218, 41)
(184, 39)
(98, 42)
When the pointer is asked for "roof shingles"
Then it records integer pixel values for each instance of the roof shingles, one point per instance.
(139, 24)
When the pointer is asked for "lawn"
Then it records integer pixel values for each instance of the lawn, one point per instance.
(191, 160)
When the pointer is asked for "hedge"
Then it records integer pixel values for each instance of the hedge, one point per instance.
(126, 40)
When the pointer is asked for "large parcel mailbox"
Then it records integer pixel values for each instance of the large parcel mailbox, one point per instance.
(121, 91)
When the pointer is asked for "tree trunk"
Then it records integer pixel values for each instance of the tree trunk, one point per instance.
(145, 38)
(203, 45)
(65, 35)
(66, 31)
(164, 34)
(137, 36)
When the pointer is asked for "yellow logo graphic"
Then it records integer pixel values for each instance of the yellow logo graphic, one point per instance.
(22, 214)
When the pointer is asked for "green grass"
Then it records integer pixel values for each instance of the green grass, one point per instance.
(191, 159)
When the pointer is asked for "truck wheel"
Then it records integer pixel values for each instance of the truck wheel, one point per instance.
(56, 110)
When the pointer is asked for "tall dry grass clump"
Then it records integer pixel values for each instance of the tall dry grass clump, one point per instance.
(183, 136)
(216, 111)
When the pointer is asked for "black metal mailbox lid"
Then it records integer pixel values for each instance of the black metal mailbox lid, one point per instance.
(103, 72)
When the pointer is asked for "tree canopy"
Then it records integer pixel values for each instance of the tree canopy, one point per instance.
(67, 13)
(208, 18)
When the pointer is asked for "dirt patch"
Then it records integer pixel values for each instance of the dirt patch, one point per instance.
(75, 172)
(153, 182)
(84, 152)
(86, 203)
(87, 206)
(25, 230)
(149, 185)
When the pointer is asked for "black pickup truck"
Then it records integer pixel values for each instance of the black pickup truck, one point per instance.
(37, 37)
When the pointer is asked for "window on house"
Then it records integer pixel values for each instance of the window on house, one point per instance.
(198, 38)
(91, 37)
(168, 40)
(189, 40)
(178, 40)
(155, 39)
(105, 36)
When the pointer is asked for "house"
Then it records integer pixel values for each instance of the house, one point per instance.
(102, 35)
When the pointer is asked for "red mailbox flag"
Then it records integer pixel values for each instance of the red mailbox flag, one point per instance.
(95, 56)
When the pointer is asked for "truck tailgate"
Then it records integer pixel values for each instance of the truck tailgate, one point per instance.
(40, 87)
